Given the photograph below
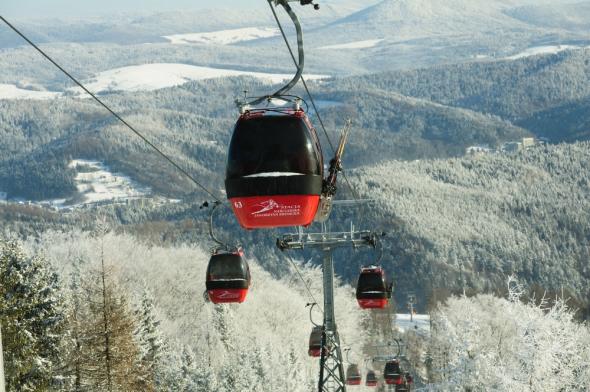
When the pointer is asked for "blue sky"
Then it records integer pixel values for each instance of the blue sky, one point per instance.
(75, 8)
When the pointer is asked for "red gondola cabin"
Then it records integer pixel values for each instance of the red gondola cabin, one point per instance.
(315, 342)
(371, 379)
(393, 373)
(228, 277)
(353, 375)
(371, 290)
(274, 171)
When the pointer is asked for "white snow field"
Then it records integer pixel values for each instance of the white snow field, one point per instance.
(536, 50)
(96, 183)
(148, 77)
(11, 91)
(420, 323)
(223, 37)
(100, 184)
(370, 43)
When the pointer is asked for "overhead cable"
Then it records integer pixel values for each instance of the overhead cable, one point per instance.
(117, 116)
(311, 99)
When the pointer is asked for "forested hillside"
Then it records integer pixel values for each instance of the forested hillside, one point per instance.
(469, 223)
(193, 123)
(516, 90)
(163, 335)
(508, 344)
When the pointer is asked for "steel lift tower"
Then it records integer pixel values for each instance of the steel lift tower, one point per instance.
(332, 378)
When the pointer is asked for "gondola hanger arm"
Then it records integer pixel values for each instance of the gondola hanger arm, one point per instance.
(221, 244)
(302, 2)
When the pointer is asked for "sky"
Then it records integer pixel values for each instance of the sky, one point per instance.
(33, 9)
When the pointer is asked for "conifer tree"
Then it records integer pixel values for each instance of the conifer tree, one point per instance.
(77, 318)
(112, 356)
(150, 340)
(32, 318)
(188, 369)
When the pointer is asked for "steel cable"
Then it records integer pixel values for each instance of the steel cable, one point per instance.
(117, 116)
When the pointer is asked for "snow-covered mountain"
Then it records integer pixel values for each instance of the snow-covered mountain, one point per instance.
(148, 77)
(223, 37)
(410, 33)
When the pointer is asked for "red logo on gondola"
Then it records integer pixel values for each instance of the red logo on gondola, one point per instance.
(270, 208)
(227, 295)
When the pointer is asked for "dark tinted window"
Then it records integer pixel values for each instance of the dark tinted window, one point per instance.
(371, 282)
(227, 266)
(353, 372)
(315, 339)
(272, 144)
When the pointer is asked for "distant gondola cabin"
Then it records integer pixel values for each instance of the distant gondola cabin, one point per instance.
(392, 373)
(228, 277)
(371, 380)
(274, 170)
(315, 342)
(353, 375)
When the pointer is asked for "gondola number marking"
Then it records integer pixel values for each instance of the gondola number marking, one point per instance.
(238, 204)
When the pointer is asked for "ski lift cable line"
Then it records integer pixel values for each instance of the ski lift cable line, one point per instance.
(311, 99)
(304, 282)
(112, 112)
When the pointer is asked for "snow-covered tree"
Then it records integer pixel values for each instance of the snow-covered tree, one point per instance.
(244, 346)
(490, 343)
(33, 323)
(151, 341)
(76, 318)
(112, 355)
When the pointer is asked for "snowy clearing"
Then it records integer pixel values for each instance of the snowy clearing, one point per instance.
(536, 50)
(99, 184)
(420, 323)
(223, 37)
(96, 184)
(11, 91)
(370, 43)
(148, 77)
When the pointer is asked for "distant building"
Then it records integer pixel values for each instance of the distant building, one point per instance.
(528, 142)
(512, 147)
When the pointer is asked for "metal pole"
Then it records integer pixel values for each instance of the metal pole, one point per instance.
(331, 365)
(329, 323)
(2, 387)
(332, 377)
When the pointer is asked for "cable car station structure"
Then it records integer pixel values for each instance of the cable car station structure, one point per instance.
(332, 377)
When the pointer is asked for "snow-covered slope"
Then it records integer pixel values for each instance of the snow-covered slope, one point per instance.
(575, 16)
(147, 77)
(97, 183)
(538, 50)
(223, 37)
(419, 33)
(420, 323)
(10, 91)
(370, 43)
